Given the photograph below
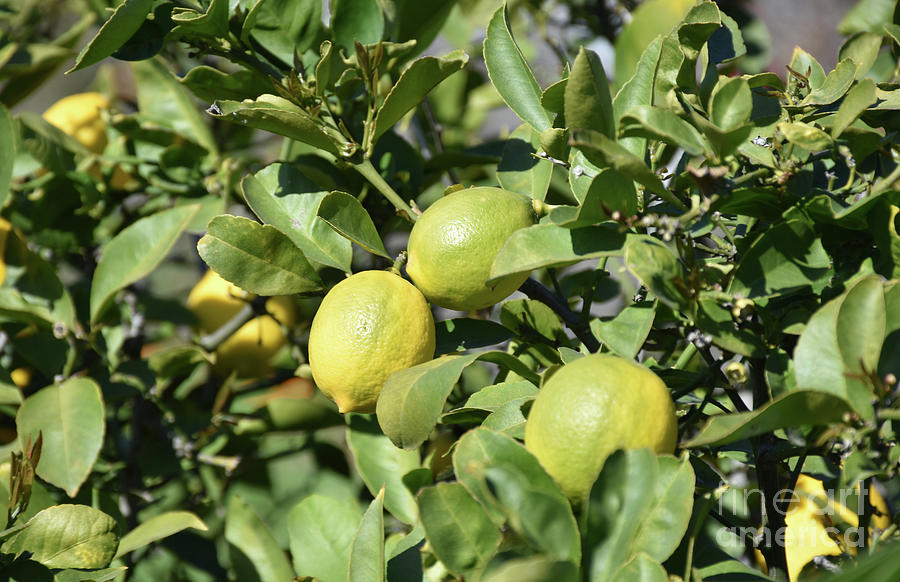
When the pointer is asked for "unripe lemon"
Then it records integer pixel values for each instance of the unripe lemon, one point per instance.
(79, 116)
(248, 351)
(590, 408)
(453, 244)
(368, 326)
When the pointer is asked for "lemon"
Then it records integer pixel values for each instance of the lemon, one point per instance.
(249, 350)
(5, 228)
(79, 116)
(590, 408)
(368, 326)
(21, 377)
(453, 244)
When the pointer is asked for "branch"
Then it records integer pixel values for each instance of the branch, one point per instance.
(211, 341)
(535, 290)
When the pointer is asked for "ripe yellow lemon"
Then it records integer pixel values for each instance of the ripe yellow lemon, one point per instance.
(590, 408)
(249, 350)
(368, 326)
(79, 116)
(453, 244)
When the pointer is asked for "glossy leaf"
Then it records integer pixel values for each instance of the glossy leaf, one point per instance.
(857, 100)
(213, 22)
(658, 268)
(534, 569)
(730, 103)
(210, 84)
(625, 333)
(250, 536)
(67, 536)
(650, 20)
(8, 131)
(124, 22)
(382, 466)
(519, 169)
(356, 21)
(457, 527)
(256, 257)
(321, 531)
(794, 409)
(510, 73)
(281, 195)
(653, 122)
(588, 104)
(637, 91)
(835, 84)
(367, 562)
(863, 48)
(460, 334)
(70, 417)
(135, 252)
(159, 527)
(641, 568)
(346, 215)
(284, 27)
(867, 15)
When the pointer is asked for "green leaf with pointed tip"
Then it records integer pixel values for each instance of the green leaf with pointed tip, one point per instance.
(857, 100)
(637, 91)
(867, 15)
(659, 269)
(346, 215)
(510, 73)
(321, 532)
(256, 257)
(793, 409)
(588, 104)
(655, 123)
(135, 252)
(863, 48)
(625, 333)
(834, 86)
(730, 103)
(649, 21)
(67, 536)
(415, 82)
(210, 84)
(70, 416)
(124, 22)
(249, 536)
(356, 21)
(367, 562)
(520, 170)
(158, 527)
(212, 23)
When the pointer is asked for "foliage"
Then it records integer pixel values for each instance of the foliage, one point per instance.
(734, 231)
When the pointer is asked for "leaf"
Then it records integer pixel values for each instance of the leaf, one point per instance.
(659, 269)
(510, 73)
(730, 103)
(520, 170)
(356, 21)
(545, 245)
(641, 568)
(8, 133)
(284, 27)
(321, 531)
(793, 409)
(414, 83)
(640, 504)
(124, 22)
(534, 569)
(210, 84)
(716, 320)
(649, 21)
(588, 104)
(249, 536)
(637, 91)
(459, 531)
(280, 116)
(158, 527)
(346, 215)
(135, 252)
(863, 48)
(281, 195)
(835, 85)
(857, 100)
(70, 416)
(655, 123)
(103, 575)
(625, 333)
(880, 565)
(367, 551)
(67, 536)
(463, 333)
(867, 15)
(382, 466)
(212, 23)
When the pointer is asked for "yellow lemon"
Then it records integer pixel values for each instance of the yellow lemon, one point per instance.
(5, 228)
(79, 116)
(368, 326)
(453, 245)
(590, 408)
(21, 377)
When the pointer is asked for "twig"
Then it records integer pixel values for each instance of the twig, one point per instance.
(211, 341)
(535, 290)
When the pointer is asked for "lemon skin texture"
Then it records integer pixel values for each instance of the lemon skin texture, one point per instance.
(590, 408)
(79, 116)
(453, 244)
(368, 326)
(248, 351)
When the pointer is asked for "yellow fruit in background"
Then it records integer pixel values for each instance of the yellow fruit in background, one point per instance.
(79, 116)
(453, 244)
(368, 326)
(590, 408)
(249, 350)
(21, 377)
(5, 227)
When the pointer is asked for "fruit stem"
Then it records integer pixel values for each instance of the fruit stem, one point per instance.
(535, 290)
(398, 264)
(211, 341)
(368, 171)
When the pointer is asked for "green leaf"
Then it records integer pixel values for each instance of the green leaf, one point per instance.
(794, 409)
(730, 103)
(637, 91)
(70, 416)
(461, 334)
(419, 20)
(321, 531)
(256, 257)
(281, 195)
(880, 565)
(412, 86)
(210, 84)
(641, 568)
(649, 21)
(608, 192)
(367, 562)
(510, 73)
(520, 170)
(250, 537)
(67, 536)
(716, 320)
(659, 269)
(625, 333)
(212, 23)
(640, 503)
(863, 48)
(457, 527)
(346, 215)
(382, 466)
(527, 317)
(102, 575)
(284, 27)
(534, 569)
(8, 132)
(867, 15)
(159, 527)
(835, 85)
(857, 100)
(655, 123)
(681, 49)
(280, 116)
(356, 20)
(588, 104)
(135, 252)
(545, 245)
(124, 22)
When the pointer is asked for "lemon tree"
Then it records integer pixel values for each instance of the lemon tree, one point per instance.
(440, 291)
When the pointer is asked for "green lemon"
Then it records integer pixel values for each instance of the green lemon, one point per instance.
(590, 408)
(453, 244)
(368, 326)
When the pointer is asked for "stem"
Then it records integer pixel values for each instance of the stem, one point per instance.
(211, 341)
(535, 290)
(368, 171)
(685, 357)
